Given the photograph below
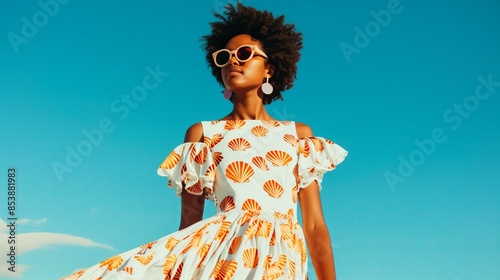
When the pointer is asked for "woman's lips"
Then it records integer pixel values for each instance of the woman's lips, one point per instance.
(234, 71)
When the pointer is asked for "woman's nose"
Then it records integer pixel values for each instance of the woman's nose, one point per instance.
(233, 60)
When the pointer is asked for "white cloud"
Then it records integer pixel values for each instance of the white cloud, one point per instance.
(36, 240)
(32, 241)
(25, 221)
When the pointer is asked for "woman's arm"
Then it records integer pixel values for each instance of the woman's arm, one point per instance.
(316, 232)
(314, 226)
(192, 205)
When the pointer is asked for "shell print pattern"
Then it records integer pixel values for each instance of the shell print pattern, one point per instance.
(201, 157)
(250, 258)
(278, 157)
(253, 171)
(215, 140)
(239, 171)
(273, 188)
(112, 263)
(227, 204)
(272, 123)
(234, 124)
(235, 244)
(217, 158)
(259, 131)
(260, 162)
(251, 205)
(289, 138)
(239, 144)
(225, 269)
(144, 260)
(318, 145)
(171, 161)
(129, 270)
(304, 149)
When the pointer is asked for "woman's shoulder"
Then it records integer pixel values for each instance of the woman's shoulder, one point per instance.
(194, 133)
(303, 130)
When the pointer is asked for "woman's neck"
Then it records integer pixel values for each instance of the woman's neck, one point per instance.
(248, 108)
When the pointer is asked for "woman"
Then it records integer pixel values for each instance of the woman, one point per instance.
(253, 167)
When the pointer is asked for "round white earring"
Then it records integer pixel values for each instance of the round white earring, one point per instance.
(267, 88)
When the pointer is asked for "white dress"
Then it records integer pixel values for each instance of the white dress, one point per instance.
(252, 170)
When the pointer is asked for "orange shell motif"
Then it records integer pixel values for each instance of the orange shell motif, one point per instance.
(267, 262)
(207, 140)
(285, 122)
(259, 131)
(171, 161)
(201, 157)
(211, 171)
(265, 228)
(272, 242)
(144, 260)
(128, 270)
(217, 157)
(224, 269)
(234, 124)
(223, 230)
(278, 158)
(275, 270)
(239, 144)
(286, 232)
(215, 140)
(291, 267)
(239, 171)
(295, 193)
(170, 244)
(76, 275)
(184, 170)
(149, 245)
(272, 123)
(202, 252)
(250, 258)
(169, 264)
(235, 244)
(273, 188)
(178, 272)
(260, 162)
(318, 145)
(250, 205)
(227, 204)
(289, 138)
(192, 152)
(196, 188)
(304, 149)
(112, 263)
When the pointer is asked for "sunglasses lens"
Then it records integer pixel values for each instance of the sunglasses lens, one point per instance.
(222, 58)
(244, 53)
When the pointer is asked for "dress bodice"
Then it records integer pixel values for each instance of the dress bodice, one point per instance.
(255, 165)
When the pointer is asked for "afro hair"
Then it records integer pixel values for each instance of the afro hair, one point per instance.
(280, 41)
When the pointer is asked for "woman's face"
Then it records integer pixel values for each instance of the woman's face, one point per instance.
(244, 76)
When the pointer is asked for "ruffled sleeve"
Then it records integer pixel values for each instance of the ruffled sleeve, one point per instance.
(190, 164)
(317, 155)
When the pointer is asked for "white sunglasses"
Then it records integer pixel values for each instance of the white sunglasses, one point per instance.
(242, 53)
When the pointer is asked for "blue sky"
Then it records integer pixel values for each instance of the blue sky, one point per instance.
(410, 88)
